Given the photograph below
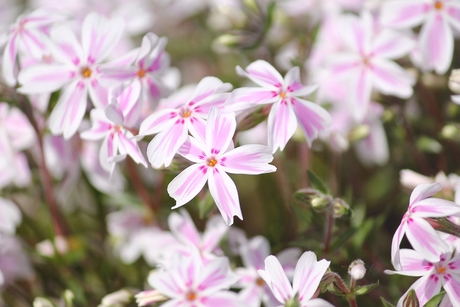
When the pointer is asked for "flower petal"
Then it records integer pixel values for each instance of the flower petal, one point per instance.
(391, 44)
(9, 60)
(224, 193)
(391, 79)
(158, 121)
(207, 87)
(216, 229)
(437, 43)
(192, 150)
(453, 14)
(65, 47)
(452, 287)
(220, 129)
(246, 97)
(254, 252)
(101, 126)
(308, 275)
(187, 184)
(294, 86)
(216, 276)
(281, 125)
(248, 159)
(114, 113)
(108, 150)
(222, 298)
(404, 14)
(69, 111)
(424, 190)
(44, 78)
(435, 207)
(127, 145)
(276, 279)
(395, 252)
(263, 74)
(361, 86)
(182, 226)
(165, 145)
(424, 239)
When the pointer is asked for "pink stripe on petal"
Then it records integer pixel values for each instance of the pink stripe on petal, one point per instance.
(245, 98)
(130, 147)
(197, 128)
(9, 61)
(414, 261)
(282, 124)
(224, 193)
(404, 14)
(424, 239)
(435, 207)
(182, 227)
(193, 150)
(278, 282)
(188, 184)
(453, 14)
(426, 287)
(158, 121)
(360, 93)
(397, 238)
(219, 130)
(391, 79)
(248, 159)
(264, 74)
(165, 145)
(452, 287)
(312, 118)
(98, 93)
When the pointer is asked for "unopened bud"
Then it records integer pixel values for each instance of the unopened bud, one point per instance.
(119, 298)
(340, 208)
(42, 302)
(357, 270)
(148, 297)
(320, 203)
(228, 40)
(454, 81)
(294, 302)
(411, 299)
(359, 132)
(450, 132)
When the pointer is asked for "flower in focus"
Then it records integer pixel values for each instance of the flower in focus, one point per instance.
(436, 38)
(179, 114)
(287, 110)
(443, 272)
(307, 277)
(419, 232)
(214, 158)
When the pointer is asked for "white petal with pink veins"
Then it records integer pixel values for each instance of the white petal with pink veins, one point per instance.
(391, 79)
(69, 111)
(188, 184)
(282, 124)
(219, 130)
(165, 145)
(224, 193)
(311, 117)
(263, 74)
(248, 159)
(404, 14)
(45, 78)
(276, 279)
(437, 43)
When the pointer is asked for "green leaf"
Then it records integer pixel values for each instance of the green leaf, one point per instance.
(386, 303)
(365, 289)
(205, 205)
(317, 183)
(435, 300)
(343, 238)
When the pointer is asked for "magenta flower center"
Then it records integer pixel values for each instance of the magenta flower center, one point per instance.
(141, 73)
(441, 270)
(260, 282)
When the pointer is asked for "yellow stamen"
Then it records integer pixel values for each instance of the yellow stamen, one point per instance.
(283, 94)
(438, 5)
(86, 72)
(260, 282)
(186, 113)
(212, 162)
(141, 73)
(191, 296)
(441, 270)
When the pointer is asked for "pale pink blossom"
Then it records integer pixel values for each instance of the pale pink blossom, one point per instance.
(10, 216)
(214, 158)
(443, 271)
(438, 18)
(184, 230)
(192, 282)
(368, 64)
(288, 109)
(143, 68)
(28, 35)
(14, 263)
(77, 72)
(183, 112)
(307, 277)
(319, 9)
(419, 232)
(110, 124)
(254, 289)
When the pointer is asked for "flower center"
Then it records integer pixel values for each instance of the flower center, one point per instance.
(283, 94)
(441, 270)
(212, 162)
(141, 73)
(438, 5)
(191, 296)
(260, 282)
(185, 113)
(86, 72)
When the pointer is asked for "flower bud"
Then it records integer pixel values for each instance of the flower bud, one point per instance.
(450, 132)
(340, 208)
(320, 203)
(411, 299)
(357, 270)
(359, 132)
(42, 302)
(294, 302)
(119, 298)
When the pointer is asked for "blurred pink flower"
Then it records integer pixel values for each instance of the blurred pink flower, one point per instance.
(213, 158)
(10, 216)
(419, 232)
(307, 277)
(77, 71)
(436, 38)
(179, 114)
(14, 263)
(288, 109)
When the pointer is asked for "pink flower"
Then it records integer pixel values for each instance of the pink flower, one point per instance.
(214, 158)
(28, 35)
(287, 110)
(14, 263)
(307, 276)
(11, 216)
(144, 68)
(253, 254)
(419, 232)
(77, 71)
(179, 114)
(368, 64)
(436, 40)
(109, 124)
(192, 282)
(443, 272)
